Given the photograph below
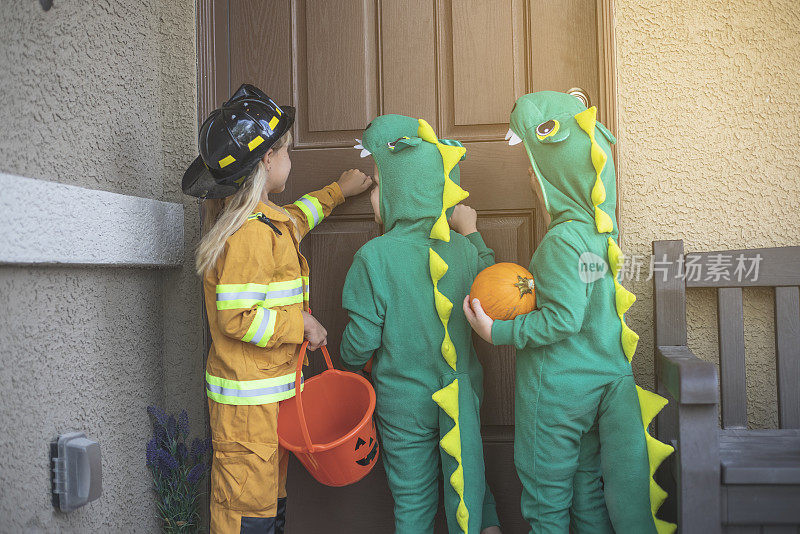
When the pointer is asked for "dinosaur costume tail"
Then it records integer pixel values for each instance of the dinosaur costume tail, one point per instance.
(650, 403)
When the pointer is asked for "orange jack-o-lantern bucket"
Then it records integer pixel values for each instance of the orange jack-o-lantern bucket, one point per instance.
(328, 424)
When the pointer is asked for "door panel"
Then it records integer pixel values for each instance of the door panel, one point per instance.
(459, 64)
(408, 59)
(256, 32)
(496, 177)
(562, 57)
(482, 48)
(335, 59)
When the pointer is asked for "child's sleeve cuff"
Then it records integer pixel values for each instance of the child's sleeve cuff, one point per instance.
(336, 194)
(476, 239)
(502, 332)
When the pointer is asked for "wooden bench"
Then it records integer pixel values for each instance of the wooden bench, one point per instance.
(724, 477)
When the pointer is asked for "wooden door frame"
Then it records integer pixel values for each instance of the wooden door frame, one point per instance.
(607, 70)
(212, 59)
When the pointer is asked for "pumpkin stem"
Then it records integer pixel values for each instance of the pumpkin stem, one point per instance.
(525, 285)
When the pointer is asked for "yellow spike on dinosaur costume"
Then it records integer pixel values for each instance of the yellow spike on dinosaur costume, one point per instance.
(453, 193)
(615, 257)
(587, 121)
(650, 403)
(443, 305)
(447, 397)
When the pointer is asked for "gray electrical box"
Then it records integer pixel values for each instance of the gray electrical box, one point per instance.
(77, 474)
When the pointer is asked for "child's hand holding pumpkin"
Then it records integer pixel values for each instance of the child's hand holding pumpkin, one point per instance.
(478, 320)
(464, 219)
(353, 182)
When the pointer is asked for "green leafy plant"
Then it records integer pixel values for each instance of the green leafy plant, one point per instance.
(177, 470)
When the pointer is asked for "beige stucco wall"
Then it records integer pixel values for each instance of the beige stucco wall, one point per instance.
(709, 110)
(99, 94)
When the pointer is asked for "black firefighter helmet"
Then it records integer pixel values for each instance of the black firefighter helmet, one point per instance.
(232, 140)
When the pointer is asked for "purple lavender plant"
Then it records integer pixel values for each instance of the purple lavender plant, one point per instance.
(177, 470)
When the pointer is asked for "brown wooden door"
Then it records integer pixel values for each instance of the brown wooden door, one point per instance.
(459, 64)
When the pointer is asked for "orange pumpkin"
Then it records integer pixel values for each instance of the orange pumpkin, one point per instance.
(505, 290)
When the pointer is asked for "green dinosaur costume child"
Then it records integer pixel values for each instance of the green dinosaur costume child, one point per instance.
(578, 412)
(399, 293)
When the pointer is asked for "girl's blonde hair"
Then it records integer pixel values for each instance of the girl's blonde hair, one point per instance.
(223, 216)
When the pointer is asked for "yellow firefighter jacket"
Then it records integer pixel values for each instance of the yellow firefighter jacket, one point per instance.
(254, 298)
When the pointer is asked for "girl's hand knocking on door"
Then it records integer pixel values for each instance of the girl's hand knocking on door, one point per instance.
(353, 182)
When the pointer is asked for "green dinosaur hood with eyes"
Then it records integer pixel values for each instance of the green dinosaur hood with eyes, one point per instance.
(571, 156)
(417, 173)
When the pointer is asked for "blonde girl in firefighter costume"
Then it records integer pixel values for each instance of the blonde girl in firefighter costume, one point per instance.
(403, 293)
(256, 286)
(581, 449)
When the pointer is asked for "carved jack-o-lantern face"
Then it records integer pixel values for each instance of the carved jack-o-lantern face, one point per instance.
(370, 448)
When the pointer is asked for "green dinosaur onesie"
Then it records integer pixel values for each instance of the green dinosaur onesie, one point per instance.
(400, 294)
(579, 414)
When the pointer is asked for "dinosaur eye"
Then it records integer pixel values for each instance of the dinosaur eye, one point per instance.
(546, 129)
(391, 144)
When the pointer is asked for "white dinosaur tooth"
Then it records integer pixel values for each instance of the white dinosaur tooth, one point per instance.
(358, 147)
(509, 133)
(515, 139)
(365, 153)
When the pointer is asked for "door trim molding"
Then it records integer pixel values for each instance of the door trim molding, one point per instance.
(212, 56)
(606, 46)
(607, 68)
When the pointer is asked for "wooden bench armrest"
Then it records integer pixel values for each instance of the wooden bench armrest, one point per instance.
(688, 379)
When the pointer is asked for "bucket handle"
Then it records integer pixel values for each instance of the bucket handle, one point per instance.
(298, 391)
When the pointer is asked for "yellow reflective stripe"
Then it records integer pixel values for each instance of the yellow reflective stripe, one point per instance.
(238, 304)
(284, 301)
(306, 288)
(261, 329)
(315, 201)
(227, 160)
(250, 384)
(251, 401)
(232, 288)
(286, 284)
(254, 326)
(283, 293)
(236, 296)
(273, 123)
(312, 209)
(307, 212)
(251, 392)
(255, 142)
(262, 338)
